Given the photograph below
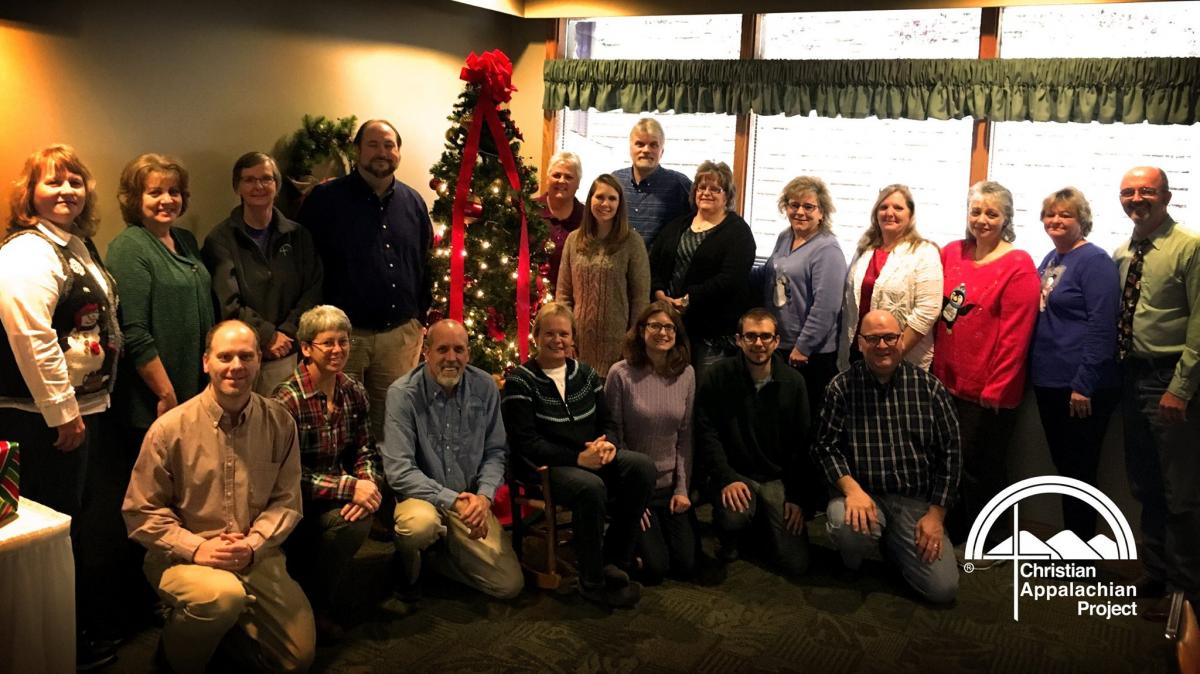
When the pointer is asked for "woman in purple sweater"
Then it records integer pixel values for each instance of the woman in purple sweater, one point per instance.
(1073, 356)
(649, 396)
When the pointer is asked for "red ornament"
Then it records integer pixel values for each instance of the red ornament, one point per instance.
(473, 209)
(495, 325)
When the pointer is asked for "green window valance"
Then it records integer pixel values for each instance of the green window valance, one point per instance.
(1123, 90)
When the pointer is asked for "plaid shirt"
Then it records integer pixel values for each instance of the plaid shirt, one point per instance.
(336, 450)
(895, 438)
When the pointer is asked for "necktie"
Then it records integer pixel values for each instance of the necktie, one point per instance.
(1129, 297)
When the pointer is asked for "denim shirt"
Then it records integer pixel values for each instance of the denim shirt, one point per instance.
(436, 446)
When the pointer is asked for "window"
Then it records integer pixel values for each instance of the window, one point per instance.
(857, 157)
(1035, 159)
(601, 139)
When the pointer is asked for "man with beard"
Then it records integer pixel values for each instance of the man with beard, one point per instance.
(444, 450)
(1158, 342)
(888, 443)
(373, 234)
(656, 195)
(752, 423)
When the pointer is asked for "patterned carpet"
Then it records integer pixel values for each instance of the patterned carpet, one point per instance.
(754, 621)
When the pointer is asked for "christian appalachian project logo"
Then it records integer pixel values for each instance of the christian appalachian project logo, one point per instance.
(1058, 557)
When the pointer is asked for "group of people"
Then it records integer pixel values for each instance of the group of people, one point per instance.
(275, 388)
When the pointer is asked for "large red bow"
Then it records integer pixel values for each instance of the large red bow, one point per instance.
(492, 71)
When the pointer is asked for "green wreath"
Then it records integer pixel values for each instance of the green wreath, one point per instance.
(317, 140)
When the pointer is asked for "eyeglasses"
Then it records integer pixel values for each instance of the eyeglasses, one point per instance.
(668, 328)
(711, 189)
(328, 344)
(888, 339)
(752, 337)
(262, 182)
(1143, 191)
(797, 206)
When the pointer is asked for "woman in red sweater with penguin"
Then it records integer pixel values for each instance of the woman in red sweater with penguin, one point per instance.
(982, 337)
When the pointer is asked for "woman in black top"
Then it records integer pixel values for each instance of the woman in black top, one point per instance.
(700, 263)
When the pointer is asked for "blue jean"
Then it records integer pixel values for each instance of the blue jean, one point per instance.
(937, 581)
(1164, 475)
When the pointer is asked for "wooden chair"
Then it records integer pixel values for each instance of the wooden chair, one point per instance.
(539, 527)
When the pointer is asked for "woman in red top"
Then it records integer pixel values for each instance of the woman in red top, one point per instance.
(989, 308)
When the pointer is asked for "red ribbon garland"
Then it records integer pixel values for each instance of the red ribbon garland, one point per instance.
(492, 92)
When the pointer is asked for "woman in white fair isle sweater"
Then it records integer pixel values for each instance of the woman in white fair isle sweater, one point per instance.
(650, 396)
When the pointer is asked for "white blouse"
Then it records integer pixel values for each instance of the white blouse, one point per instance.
(909, 286)
(30, 280)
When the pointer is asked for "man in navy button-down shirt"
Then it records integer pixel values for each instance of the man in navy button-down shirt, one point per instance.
(373, 234)
(656, 195)
(444, 450)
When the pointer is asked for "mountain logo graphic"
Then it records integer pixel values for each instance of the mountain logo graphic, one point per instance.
(1064, 545)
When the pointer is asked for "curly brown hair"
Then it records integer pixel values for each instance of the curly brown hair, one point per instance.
(680, 355)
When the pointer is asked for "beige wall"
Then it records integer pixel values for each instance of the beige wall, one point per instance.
(211, 81)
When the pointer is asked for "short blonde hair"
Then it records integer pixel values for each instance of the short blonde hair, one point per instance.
(552, 310)
(321, 318)
(1074, 199)
(801, 185)
(569, 158)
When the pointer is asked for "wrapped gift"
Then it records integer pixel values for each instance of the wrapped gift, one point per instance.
(10, 479)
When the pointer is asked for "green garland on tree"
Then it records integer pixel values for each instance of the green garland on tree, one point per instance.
(492, 237)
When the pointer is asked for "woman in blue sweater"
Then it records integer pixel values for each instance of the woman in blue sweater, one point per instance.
(1073, 356)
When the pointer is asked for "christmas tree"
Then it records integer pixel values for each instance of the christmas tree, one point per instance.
(491, 250)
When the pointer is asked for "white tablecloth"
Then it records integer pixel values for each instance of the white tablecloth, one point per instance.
(37, 592)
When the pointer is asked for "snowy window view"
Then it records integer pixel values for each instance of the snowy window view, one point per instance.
(856, 157)
(601, 139)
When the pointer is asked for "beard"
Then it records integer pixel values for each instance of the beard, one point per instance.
(380, 167)
(448, 378)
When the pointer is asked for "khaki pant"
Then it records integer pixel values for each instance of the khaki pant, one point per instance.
(378, 358)
(488, 563)
(273, 373)
(275, 623)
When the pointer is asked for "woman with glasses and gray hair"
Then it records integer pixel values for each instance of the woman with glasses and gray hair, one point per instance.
(700, 264)
(1073, 359)
(801, 284)
(981, 341)
(340, 464)
(265, 269)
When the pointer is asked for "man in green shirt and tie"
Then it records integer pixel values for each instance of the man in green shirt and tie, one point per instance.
(1159, 346)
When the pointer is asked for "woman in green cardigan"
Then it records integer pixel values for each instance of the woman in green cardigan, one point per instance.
(166, 294)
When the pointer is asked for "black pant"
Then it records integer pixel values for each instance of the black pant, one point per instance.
(320, 549)
(618, 492)
(1164, 475)
(789, 551)
(985, 437)
(817, 372)
(1075, 446)
(669, 545)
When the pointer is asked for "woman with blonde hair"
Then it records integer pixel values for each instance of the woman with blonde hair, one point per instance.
(556, 416)
(894, 268)
(560, 207)
(605, 276)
